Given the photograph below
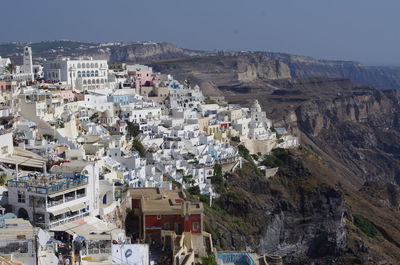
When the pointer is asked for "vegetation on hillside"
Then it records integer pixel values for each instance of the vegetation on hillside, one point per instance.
(138, 147)
(277, 158)
(365, 225)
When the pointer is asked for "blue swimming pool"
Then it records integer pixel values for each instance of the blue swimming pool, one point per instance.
(235, 258)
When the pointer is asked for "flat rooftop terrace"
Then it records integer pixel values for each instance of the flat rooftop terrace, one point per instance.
(48, 183)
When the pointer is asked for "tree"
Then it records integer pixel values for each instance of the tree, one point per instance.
(217, 178)
(138, 147)
(11, 68)
(133, 129)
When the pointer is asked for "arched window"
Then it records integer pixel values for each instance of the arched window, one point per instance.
(93, 81)
(96, 73)
(83, 73)
(96, 65)
(79, 65)
(79, 74)
(92, 73)
(97, 81)
(22, 213)
(92, 65)
(84, 82)
(89, 82)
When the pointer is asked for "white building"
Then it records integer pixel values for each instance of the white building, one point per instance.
(71, 192)
(81, 74)
(27, 66)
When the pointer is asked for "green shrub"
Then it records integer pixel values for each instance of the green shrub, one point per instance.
(277, 158)
(245, 153)
(194, 190)
(210, 260)
(204, 198)
(365, 225)
(217, 178)
(132, 129)
(138, 146)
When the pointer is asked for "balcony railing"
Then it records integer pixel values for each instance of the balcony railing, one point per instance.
(67, 220)
(44, 189)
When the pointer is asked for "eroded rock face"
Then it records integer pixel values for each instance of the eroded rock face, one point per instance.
(314, 228)
(215, 71)
(360, 131)
(299, 222)
(150, 52)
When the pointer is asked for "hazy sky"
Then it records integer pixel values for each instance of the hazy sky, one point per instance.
(361, 30)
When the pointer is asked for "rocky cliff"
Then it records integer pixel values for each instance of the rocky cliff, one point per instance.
(291, 215)
(114, 52)
(215, 72)
(306, 67)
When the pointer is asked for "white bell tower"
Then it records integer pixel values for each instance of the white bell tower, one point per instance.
(27, 66)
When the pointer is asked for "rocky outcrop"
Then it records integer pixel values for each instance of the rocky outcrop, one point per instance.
(147, 52)
(306, 67)
(137, 52)
(360, 131)
(216, 72)
(285, 216)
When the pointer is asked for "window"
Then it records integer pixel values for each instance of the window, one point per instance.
(195, 226)
(92, 73)
(79, 74)
(166, 226)
(158, 217)
(21, 196)
(96, 73)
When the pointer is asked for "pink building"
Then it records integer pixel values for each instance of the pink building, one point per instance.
(141, 74)
(7, 86)
(67, 95)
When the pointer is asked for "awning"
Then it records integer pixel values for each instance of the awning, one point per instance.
(77, 207)
(91, 228)
(23, 161)
(59, 211)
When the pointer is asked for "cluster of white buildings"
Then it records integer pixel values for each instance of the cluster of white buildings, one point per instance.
(72, 140)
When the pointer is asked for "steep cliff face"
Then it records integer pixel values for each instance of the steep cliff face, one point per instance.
(291, 215)
(360, 131)
(214, 72)
(306, 67)
(150, 52)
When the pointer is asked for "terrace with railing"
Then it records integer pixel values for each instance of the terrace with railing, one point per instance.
(47, 184)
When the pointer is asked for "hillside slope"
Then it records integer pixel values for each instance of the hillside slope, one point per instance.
(305, 215)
